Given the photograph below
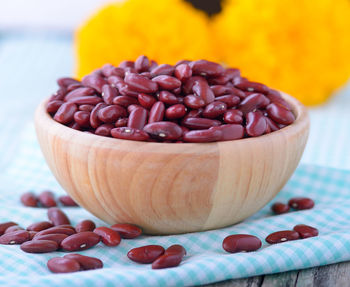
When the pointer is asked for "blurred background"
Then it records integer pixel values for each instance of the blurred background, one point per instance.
(301, 47)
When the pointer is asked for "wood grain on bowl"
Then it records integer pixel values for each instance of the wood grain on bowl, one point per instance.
(167, 187)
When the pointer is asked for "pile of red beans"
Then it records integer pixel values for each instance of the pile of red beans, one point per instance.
(192, 101)
(58, 234)
(46, 199)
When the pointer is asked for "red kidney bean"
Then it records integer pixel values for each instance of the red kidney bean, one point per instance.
(88, 100)
(146, 74)
(109, 70)
(63, 265)
(29, 199)
(253, 102)
(220, 90)
(163, 69)
(124, 101)
(86, 108)
(58, 238)
(65, 113)
(123, 122)
(145, 254)
(94, 81)
(39, 226)
(233, 117)
(256, 124)
(85, 225)
(140, 84)
(168, 98)
(111, 113)
(142, 64)
(230, 132)
(172, 257)
(229, 100)
(53, 106)
(175, 112)
(194, 102)
(109, 236)
(66, 200)
(47, 199)
(108, 94)
(127, 64)
(189, 83)
(301, 203)
(252, 87)
(183, 72)
(214, 109)
(271, 125)
(59, 95)
(5, 225)
(127, 231)
(74, 126)
(282, 236)
(167, 82)
(94, 119)
(201, 136)
(32, 234)
(57, 216)
(156, 113)
(206, 68)
(127, 133)
(279, 114)
(104, 130)
(13, 229)
(137, 118)
(199, 123)
(220, 80)
(182, 62)
(164, 130)
(16, 237)
(241, 242)
(146, 101)
(80, 92)
(305, 231)
(113, 81)
(80, 241)
(73, 87)
(275, 97)
(202, 89)
(66, 226)
(55, 230)
(39, 246)
(280, 208)
(233, 73)
(132, 107)
(86, 262)
(65, 82)
(126, 90)
(82, 118)
(194, 114)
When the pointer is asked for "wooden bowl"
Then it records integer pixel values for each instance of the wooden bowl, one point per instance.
(168, 188)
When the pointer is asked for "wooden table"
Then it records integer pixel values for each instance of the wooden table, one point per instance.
(326, 276)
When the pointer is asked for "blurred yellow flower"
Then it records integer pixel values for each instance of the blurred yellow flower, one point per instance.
(164, 30)
(300, 47)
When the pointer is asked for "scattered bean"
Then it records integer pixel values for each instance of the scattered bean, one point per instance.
(145, 254)
(80, 241)
(109, 236)
(301, 203)
(39, 246)
(63, 265)
(127, 231)
(305, 231)
(241, 242)
(280, 208)
(85, 262)
(85, 225)
(282, 236)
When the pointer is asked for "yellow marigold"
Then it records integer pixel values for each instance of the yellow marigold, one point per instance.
(164, 30)
(301, 47)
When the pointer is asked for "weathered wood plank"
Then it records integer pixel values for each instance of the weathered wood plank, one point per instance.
(245, 282)
(335, 275)
(285, 279)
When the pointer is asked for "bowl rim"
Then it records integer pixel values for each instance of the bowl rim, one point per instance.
(42, 117)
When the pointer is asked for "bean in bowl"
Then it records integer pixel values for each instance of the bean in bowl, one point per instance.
(192, 101)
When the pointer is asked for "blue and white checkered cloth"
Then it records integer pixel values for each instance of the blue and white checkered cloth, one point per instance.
(206, 261)
(22, 168)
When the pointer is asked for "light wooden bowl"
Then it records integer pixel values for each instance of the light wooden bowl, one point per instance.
(169, 188)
